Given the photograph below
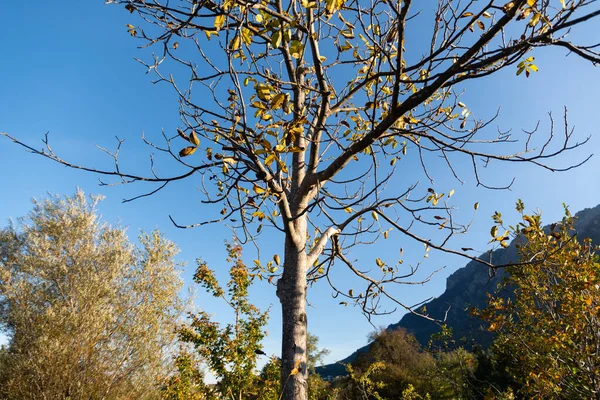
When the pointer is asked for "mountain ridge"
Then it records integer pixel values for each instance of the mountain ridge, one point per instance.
(466, 287)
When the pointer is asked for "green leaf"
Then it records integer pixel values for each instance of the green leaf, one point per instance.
(276, 39)
(296, 49)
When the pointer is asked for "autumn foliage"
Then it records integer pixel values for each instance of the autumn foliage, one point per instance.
(550, 327)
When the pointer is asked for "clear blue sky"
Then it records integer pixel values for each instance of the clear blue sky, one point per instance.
(67, 68)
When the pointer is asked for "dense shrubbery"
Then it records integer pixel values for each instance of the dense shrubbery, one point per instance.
(88, 314)
(75, 302)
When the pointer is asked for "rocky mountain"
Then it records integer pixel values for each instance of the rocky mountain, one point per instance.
(465, 288)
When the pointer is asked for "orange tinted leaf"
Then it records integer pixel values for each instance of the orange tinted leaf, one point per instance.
(183, 135)
(187, 151)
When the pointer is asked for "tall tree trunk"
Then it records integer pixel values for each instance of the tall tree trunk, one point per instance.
(291, 290)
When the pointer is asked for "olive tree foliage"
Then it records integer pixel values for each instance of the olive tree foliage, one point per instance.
(88, 314)
(298, 115)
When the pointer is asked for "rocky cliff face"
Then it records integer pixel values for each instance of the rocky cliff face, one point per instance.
(465, 288)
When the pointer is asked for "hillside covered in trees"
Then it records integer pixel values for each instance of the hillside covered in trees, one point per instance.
(466, 288)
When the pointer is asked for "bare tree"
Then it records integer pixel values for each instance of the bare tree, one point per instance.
(299, 114)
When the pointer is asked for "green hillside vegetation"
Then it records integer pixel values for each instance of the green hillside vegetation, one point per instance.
(469, 288)
(544, 318)
(90, 315)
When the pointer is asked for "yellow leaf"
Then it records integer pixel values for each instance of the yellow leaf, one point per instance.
(276, 259)
(331, 6)
(247, 36)
(270, 158)
(450, 193)
(187, 151)
(194, 138)
(183, 135)
(476, 206)
(534, 20)
(375, 216)
(508, 6)
(210, 33)
(309, 4)
(235, 43)
(277, 101)
(348, 210)
(257, 189)
(263, 92)
(296, 369)
(494, 231)
(219, 21)
(379, 262)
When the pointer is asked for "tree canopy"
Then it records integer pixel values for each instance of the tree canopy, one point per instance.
(550, 327)
(88, 314)
(303, 116)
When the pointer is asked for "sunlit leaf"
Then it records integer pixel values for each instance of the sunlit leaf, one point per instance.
(494, 231)
(194, 138)
(276, 39)
(219, 22)
(183, 135)
(270, 158)
(187, 151)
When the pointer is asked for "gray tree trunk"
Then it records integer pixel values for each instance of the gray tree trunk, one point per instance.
(291, 290)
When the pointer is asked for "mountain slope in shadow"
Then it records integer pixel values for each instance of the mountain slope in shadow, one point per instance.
(467, 287)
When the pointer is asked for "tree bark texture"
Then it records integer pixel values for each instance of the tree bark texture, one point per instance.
(291, 290)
